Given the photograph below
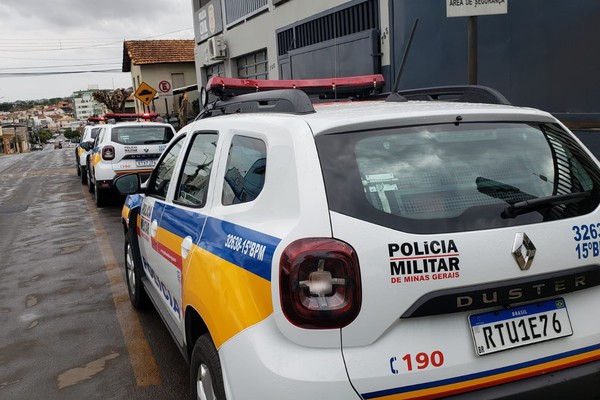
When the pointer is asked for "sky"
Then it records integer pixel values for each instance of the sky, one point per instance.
(48, 49)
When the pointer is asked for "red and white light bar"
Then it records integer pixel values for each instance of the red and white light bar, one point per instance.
(222, 86)
(129, 116)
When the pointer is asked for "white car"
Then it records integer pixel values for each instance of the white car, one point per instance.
(121, 148)
(89, 134)
(371, 249)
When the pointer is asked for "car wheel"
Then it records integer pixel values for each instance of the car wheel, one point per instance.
(206, 377)
(84, 177)
(133, 274)
(91, 183)
(100, 196)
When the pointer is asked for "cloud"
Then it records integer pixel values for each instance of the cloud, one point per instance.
(69, 35)
(125, 19)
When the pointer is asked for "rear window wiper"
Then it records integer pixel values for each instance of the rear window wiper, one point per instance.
(154, 141)
(499, 190)
(521, 207)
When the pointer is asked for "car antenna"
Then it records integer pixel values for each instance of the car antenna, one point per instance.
(394, 95)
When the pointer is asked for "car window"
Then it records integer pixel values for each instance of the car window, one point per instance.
(193, 182)
(138, 135)
(163, 171)
(100, 137)
(245, 171)
(95, 132)
(448, 178)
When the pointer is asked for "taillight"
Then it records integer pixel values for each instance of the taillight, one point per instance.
(108, 153)
(319, 283)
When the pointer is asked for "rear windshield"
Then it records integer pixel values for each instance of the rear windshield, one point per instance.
(141, 134)
(448, 178)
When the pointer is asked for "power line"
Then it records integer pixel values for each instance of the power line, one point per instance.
(90, 46)
(59, 66)
(22, 74)
(60, 59)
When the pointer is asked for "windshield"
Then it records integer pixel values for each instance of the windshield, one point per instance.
(138, 135)
(448, 178)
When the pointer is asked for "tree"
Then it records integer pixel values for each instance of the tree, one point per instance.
(44, 135)
(70, 134)
(115, 100)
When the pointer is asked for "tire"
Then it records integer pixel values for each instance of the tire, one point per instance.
(91, 184)
(84, 177)
(100, 196)
(206, 376)
(133, 274)
(77, 161)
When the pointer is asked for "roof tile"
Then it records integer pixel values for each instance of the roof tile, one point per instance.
(140, 52)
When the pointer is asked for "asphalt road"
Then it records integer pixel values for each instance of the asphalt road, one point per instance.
(67, 330)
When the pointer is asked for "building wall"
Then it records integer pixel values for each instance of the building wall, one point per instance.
(541, 54)
(256, 33)
(152, 74)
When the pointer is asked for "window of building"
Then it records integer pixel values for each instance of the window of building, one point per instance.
(177, 80)
(239, 10)
(358, 16)
(253, 66)
(245, 172)
(215, 70)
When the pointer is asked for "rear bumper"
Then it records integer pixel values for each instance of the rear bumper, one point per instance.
(579, 382)
(285, 370)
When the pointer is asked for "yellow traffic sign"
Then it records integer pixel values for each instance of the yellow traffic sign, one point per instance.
(145, 93)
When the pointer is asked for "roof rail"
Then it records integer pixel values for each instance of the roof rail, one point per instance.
(286, 101)
(464, 94)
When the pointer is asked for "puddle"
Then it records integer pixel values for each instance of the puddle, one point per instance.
(80, 374)
(31, 301)
(5, 384)
(32, 325)
(70, 249)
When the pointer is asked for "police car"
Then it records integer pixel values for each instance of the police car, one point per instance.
(123, 147)
(371, 249)
(89, 134)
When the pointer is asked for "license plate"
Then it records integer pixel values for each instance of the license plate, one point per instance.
(520, 326)
(145, 163)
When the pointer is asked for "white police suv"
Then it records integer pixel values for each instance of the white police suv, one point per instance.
(89, 134)
(123, 147)
(371, 249)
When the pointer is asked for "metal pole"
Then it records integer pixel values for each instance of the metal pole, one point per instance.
(472, 34)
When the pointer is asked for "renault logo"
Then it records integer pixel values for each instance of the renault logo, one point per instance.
(523, 250)
(146, 149)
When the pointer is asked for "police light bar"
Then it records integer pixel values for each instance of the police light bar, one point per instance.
(328, 87)
(93, 120)
(129, 116)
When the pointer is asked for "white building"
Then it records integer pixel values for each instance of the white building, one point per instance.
(85, 106)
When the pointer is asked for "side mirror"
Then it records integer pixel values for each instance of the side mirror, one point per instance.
(127, 184)
(87, 146)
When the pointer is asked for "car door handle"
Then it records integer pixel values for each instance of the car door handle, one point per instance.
(186, 246)
(153, 228)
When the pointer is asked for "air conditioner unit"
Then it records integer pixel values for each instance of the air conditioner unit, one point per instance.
(217, 48)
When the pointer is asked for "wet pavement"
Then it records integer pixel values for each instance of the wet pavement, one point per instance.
(67, 328)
